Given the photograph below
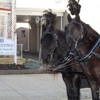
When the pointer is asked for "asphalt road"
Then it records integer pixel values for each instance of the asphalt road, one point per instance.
(35, 87)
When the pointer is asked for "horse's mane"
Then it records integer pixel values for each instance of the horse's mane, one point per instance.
(88, 30)
(90, 35)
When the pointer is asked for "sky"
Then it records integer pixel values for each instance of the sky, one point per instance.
(90, 13)
(41, 4)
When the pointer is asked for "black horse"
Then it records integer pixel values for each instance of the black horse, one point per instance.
(55, 53)
(84, 42)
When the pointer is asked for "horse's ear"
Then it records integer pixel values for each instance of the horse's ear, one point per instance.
(69, 18)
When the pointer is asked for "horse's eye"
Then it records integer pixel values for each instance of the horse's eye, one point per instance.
(52, 46)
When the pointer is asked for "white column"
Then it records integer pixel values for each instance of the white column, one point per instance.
(40, 45)
(14, 36)
(38, 38)
(28, 36)
(61, 22)
(21, 50)
(12, 16)
(15, 49)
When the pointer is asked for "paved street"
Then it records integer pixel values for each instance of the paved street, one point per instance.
(35, 87)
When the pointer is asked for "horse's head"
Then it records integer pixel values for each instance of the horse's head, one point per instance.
(74, 33)
(49, 44)
(52, 41)
(80, 38)
(53, 46)
(49, 19)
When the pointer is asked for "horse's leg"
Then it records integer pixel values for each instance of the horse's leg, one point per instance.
(94, 89)
(72, 86)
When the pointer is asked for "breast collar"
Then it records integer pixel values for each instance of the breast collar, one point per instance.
(92, 51)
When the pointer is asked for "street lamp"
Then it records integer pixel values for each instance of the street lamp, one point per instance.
(43, 21)
(37, 20)
(40, 21)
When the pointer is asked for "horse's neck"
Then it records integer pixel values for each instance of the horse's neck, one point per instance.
(89, 39)
(50, 28)
(61, 42)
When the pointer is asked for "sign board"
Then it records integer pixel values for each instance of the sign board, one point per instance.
(6, 46)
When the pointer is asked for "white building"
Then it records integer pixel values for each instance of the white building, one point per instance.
(25, 11)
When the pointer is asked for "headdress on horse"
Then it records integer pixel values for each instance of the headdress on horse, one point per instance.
(74, 7)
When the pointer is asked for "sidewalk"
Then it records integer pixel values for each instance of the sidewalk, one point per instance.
(35, 87)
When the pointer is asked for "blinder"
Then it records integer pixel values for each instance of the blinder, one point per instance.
(55, 45)
(53, 35)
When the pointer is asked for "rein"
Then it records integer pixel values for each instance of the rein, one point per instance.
(63, 65)
(92, 52)
(66, 62)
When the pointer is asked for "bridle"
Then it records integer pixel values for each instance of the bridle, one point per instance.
(69, 57)
(49, 31)
(55, 45)
(67, 61)
(79, 56)
(91, 52)
(76, 40)
(72, 54)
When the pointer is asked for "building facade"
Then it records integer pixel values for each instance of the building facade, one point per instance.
(27, 13)
(7, 21)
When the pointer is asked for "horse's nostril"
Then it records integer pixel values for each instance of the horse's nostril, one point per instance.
(69, 45)
(49, 58)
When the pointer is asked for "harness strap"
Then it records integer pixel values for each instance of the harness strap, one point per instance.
(69, 72)
(97, 55)
(79, 73)
(92, 51)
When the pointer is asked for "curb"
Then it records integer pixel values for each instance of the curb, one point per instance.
(26, 71)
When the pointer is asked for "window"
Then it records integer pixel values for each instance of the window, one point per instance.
(23, 33)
